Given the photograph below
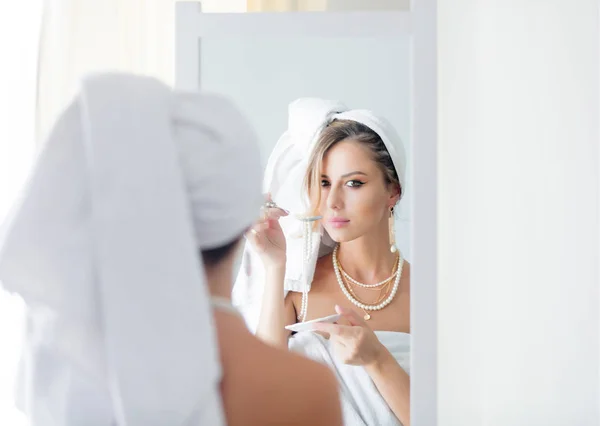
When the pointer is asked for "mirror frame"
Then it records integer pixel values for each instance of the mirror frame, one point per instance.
(420, 24)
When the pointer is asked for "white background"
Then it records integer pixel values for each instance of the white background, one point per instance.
(19, 33)
(518, 212)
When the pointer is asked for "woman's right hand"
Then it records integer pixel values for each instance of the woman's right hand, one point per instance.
(267, 237)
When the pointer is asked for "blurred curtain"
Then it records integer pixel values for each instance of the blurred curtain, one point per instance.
(82, 36)
(325, 5)
(19, 41)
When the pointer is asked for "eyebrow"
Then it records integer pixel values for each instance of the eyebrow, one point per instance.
(348, 174)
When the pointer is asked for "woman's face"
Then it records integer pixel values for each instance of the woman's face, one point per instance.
(354, 196)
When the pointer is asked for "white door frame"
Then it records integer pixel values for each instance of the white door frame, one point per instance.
(420, 24)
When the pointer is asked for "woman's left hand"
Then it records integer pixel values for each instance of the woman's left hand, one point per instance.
(356, 343)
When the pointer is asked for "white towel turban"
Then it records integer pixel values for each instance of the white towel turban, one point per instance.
(104, 248)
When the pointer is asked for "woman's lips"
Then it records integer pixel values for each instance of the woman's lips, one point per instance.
(338, 223)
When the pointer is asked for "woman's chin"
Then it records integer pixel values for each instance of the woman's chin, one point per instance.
(340, 235)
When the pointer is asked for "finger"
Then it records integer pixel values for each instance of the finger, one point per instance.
(275, 213)
(274, 224)
(260, 227)
(337, 341)
(252, 237)
(321, 333)
(324, 327)
(337, 330)
(351, 316)
(281, 211)
(343, 321)
(255, 234)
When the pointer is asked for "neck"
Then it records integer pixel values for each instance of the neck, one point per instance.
(219, 287)
(219, 280)
(368, 259)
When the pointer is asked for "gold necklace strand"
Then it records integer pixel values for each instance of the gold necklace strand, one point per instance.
(351, 298)
(352, 280)
(379, 299)
(384, 288)
(371, 288)
(383, 293)
(374, 288)
(353, 293)
(367, 315)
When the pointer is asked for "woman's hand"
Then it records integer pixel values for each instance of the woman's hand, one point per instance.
(354, 344)
(267, 237)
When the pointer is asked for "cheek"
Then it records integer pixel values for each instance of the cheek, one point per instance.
(323, 200)
(363, 203)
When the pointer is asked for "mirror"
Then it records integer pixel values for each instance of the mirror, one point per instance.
(263, 75)
(381, 61)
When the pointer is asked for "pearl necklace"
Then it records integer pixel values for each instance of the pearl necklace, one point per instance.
(353, 281)
(364, 306)
(307, 249)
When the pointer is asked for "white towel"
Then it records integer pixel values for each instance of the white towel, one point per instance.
(104, 247)
(362, 404)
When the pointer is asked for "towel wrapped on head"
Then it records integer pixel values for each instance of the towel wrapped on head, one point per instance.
(104, 248)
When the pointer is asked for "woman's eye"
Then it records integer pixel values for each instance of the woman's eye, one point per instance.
(324, 183)
(355, 183)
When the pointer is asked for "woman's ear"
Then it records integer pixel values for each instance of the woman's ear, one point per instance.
(395, 195)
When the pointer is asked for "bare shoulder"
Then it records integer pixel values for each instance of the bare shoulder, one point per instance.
(309, 389)
(323, 269)
(405, 278)
(272, 386)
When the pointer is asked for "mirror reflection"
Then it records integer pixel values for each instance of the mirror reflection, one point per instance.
(325, 271)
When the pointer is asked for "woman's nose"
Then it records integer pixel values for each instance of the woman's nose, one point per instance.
(334, 199)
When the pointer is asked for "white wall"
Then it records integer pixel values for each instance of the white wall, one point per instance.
(263, 75)
(518, 211)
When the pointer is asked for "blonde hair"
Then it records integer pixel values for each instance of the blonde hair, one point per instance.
(338, 131)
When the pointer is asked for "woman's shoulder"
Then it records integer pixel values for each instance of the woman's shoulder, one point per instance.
(283, 387)
(324, 261)
(323, 267)
(297, 374)
(324, 274)
(405, 277)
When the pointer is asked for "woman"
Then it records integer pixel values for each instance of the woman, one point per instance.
(354, 178)
(128, 324)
